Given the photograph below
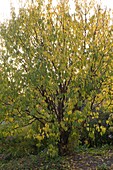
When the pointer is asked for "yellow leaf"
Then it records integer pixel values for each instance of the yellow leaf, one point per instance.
(40, 137)
(70, 112)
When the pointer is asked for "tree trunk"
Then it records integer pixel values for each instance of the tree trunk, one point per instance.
(63, 142)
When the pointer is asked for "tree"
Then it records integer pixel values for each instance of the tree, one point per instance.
(56, 70)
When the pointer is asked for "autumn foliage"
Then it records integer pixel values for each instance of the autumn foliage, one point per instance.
(56, 74)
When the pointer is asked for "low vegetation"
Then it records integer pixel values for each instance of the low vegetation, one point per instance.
(18, 156)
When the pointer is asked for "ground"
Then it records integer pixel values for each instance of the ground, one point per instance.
(81, 159)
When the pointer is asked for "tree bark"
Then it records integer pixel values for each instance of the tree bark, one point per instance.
(63, 142)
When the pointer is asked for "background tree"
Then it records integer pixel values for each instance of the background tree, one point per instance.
(56, 72)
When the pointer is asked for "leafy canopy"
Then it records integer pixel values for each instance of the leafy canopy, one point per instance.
(56, 71)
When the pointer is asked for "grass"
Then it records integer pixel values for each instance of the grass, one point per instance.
(33, 162)
(16, 157)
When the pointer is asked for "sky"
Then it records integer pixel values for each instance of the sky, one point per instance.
(5, 7)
